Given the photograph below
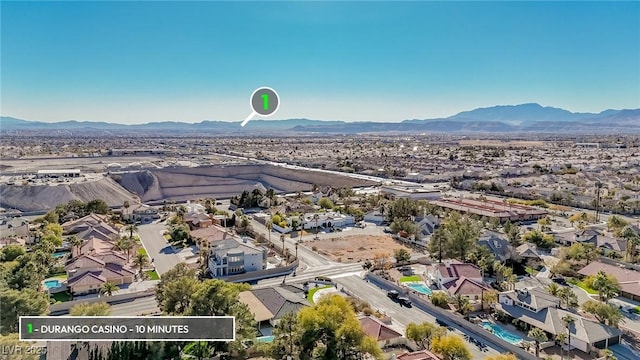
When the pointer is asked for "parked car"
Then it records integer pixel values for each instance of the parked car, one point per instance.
(560, 280)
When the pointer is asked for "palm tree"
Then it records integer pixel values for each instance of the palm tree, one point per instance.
(141, 260)
(553, 289)
(633, 239)
(561, 338)
(109, 288)
(126, 206)
(76, 243)
(282, 239)
(125, 245)
(131, 228)
(568, 322)
(301, 226)
(538, 336)
(296, 251)
(607, 286)
(316, 217)
(461, 303)
(269, 226)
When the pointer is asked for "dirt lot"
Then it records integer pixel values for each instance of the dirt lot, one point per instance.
(354, 248)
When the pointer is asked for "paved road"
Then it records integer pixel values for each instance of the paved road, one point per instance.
(402, 316)
(306, 255)
(332, 271)
(136, 307)
(157, 247)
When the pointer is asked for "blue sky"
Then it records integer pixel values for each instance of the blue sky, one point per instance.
(134, 62)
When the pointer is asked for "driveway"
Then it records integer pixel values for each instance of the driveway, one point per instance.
(157, 247)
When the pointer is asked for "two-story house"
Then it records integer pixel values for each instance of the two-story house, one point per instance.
(458, 278)
(233, 256)
(537, 308)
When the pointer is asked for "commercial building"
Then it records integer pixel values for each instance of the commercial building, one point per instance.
(493, 209)
(414, 192)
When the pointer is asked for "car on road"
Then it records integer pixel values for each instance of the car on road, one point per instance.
(404, 301)
(392, 294)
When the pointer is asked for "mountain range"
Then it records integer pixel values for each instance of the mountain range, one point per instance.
(496, 119)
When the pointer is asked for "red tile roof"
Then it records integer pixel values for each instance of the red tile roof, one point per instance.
(377, 329)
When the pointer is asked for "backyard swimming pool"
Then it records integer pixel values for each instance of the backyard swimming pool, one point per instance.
(59, 254)
(265, 339)
(420, 287)
(50, 284)
(501, 333)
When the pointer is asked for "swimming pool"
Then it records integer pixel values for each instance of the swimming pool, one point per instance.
(50, 284)
(59, 254)
(265, 339)
(501, 333)
(419, 287)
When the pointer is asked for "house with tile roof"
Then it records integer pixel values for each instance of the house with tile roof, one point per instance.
(269, 305)
(380, 332)
(537, 308)
(91, 225)
(628, 279)
(452, 270)
(88, 273)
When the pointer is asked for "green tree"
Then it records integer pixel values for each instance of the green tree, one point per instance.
(606, 285)
(12, 252)
(540, 239)
(175, 288)
(604, 313)
(440, 299)
(461, 304)
(462, 234)
(402, 255)
(131, 228)
(569, 322)
(140, 261)
(633, 239)
(438, 244)
(616, 222)
(553, 289)
(97, 206)
(539, 336)
(76, 243)
(331, 330)
(568, 297)
(16, 303)
(125, 245)
(451, 347)
(109, 288)
(502, 357)
(325, 203)
(87, 309)
(286, 337)
(423, 333)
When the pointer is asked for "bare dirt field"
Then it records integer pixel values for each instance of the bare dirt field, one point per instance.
(355, 248)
